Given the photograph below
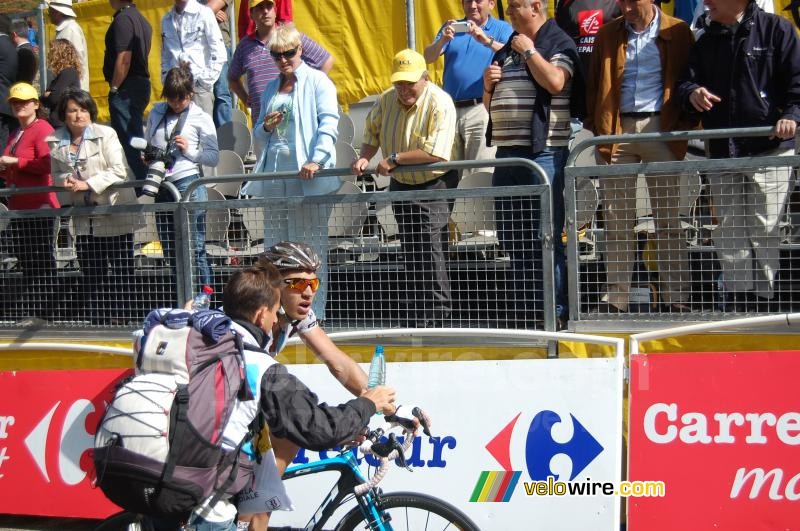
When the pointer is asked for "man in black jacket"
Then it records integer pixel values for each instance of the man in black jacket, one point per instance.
(27, 59)
(744, 71)
(8, 73)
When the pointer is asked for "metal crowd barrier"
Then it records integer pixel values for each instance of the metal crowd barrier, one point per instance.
(689, 240)
(377, 273)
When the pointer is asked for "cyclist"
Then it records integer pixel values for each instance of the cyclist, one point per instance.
(289, 409)
(298, 264)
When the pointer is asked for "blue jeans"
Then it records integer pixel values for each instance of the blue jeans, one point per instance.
(222, 97)
(518, 227)
(127, 111)
(166, 229)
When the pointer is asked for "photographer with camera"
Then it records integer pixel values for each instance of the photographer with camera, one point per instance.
(180, 138)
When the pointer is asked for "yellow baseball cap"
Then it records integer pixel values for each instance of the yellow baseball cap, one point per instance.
(22, 92)
(408, 65)
(254, 3)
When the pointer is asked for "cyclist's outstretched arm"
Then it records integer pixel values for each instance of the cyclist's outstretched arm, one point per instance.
(341, 366)
(293, 412)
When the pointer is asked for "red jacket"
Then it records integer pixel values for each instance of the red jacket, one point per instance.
(33, 168)
(245, 25)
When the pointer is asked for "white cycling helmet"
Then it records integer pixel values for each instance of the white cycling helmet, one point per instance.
(293, 255)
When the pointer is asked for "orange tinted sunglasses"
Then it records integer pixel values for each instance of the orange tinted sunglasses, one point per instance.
(300, 284)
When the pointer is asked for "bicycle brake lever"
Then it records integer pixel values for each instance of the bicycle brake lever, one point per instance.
(423, 420)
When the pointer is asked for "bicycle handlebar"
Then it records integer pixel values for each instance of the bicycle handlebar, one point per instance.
(397, 451)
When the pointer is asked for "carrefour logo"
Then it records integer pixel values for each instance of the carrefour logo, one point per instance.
(549, 439)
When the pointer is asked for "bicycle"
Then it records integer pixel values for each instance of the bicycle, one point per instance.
(375, 510)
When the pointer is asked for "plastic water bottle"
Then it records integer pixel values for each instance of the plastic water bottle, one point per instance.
(377, 368)
(202, 301)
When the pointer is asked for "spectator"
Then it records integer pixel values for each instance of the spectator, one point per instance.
(652, 48)
(180, 123)
(32, 34)
(744, 71)
(62, 15)
(527, 90)
(86, 159)
(245, 25)
(8, 73)
(126, 71)
(65, 65)
(190, 33)
(466, 55)
(223, 103)
(27, 59)
(414, 122)
(298, 125)
(582, 19)
(252, 57)
(26, 163)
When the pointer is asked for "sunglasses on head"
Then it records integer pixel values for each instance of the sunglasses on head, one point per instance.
(300, 284)
(288, 54)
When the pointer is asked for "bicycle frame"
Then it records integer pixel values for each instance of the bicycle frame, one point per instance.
(349, 477)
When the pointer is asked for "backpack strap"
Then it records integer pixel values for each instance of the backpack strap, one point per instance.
(231, 477)
(178, 430)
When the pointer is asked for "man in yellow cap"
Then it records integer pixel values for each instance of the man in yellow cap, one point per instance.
(414, 123)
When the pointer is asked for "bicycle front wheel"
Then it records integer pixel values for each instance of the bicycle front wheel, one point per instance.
(411, 510)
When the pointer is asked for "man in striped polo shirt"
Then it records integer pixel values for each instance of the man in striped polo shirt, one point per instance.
(527, 90)
(252, 57)
(414, 122)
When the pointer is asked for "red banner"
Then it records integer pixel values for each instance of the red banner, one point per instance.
(722, 431)
(47, 425)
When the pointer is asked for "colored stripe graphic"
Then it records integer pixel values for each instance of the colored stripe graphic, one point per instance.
(495, 486)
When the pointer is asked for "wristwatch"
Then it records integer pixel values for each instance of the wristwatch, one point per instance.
(113, 90)
(393, 159)
(527, 54)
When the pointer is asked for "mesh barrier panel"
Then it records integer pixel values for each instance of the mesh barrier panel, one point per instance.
(414, 258)
(684, 245)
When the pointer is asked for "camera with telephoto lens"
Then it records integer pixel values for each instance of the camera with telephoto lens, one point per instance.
(158, 160)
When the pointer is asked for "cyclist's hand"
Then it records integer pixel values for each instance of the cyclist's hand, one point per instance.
(382, 396)
(410, 418)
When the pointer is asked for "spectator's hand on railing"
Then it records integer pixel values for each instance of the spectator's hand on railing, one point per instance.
(702, 99)
(785, 129)
(75, 185)
(385, 167)
(358, 166)
(308, 170)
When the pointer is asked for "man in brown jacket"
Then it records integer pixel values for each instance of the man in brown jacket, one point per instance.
(636, 62)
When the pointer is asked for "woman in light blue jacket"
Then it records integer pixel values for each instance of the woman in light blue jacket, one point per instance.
(298, 127)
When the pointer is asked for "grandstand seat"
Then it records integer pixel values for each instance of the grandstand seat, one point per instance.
(474, 217)
(230, 163)
(346, 128)
(236, 137)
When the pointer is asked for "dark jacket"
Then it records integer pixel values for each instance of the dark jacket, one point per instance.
(28, 63)
(8, 71)
(67, 78)
(755, 72)
(293, 411)
(550, 40)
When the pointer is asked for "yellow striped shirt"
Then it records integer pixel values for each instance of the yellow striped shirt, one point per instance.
(429, 125)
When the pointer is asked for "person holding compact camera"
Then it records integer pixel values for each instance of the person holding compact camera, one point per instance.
(86, 158)
(180, 139)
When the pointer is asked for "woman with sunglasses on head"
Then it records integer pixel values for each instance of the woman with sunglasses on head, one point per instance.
(26, 163)
(298, 127)
(86, 159)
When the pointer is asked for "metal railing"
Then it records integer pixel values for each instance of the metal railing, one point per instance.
(377, 274)
(680, 240)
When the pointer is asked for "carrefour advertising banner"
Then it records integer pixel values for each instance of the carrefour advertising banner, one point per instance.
(524, 444)
(722, 431)
(528, 444)
(47, 426)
